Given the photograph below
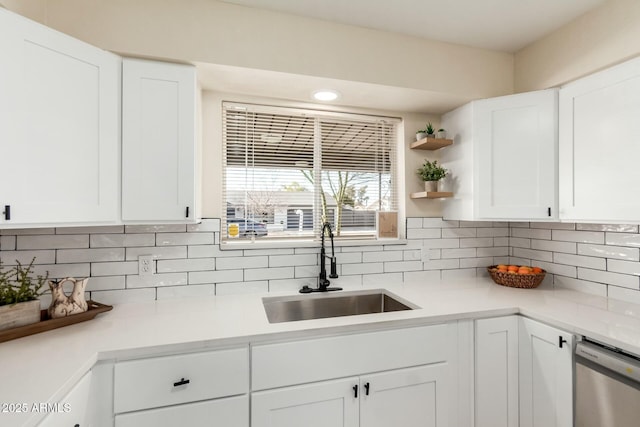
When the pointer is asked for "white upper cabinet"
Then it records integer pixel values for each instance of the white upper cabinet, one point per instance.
(158, 142)
(599, 147)
(503, 162)
(59, 127)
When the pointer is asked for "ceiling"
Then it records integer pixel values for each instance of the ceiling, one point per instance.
(504, 25)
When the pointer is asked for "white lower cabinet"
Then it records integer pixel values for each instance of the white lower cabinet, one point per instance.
(230, 412)
(523, 374)
(496, 372)
(405, 397)
(546, 375)
(73, 409)
(323, 404)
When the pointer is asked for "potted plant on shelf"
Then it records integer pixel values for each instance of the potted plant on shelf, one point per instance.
(431, 133)
(421, 134)
(19, 293)
(431, 173)
(442, 134)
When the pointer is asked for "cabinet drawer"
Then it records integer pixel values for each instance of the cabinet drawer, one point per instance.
(162, 381)
(297, 362)
(230, 412)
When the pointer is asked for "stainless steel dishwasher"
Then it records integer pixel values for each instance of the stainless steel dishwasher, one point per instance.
(607, 387)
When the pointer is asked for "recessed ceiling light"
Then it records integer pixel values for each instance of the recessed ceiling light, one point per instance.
(325, 95)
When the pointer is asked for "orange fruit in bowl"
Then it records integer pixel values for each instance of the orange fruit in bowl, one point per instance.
(524, 270)
(501, 267)
(536, 270)
(513, 268)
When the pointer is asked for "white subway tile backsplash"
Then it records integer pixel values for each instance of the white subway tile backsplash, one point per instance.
(624, 294)
(454, 233)
(580, 285)
(533, 254)
(578, 236)
(592, 258)
(580, 261)
(25, 257)
(424, 233)
(530, 233)
(185, 265)
(107, 229)
(114, 268)
(621, 228)
(242, 262)
(363, 268)
(479, 242)
(53, 242)
(177, 239)
(609, 278)
(168, 228)
(155, 280)
(400, 266)
(170, 252)
(105, 283)
(7, 243)
(382, 256)
(554, 246)
(625, 267)
(439, 223)
(210, 224)
(607, 251)
(121, 240)
(269, 273)
(124, 296)
(622, 239)
(69, 256)
(200, 277)
(293, 260)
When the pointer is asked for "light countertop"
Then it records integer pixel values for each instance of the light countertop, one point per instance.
(43, 367)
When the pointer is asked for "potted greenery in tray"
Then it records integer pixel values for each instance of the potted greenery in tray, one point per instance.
(19, 293)
(431, 132)
(431, 173)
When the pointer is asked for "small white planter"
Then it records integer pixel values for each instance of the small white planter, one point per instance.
(431, 186)
(20, 314)
(442, 134)
(420, 135)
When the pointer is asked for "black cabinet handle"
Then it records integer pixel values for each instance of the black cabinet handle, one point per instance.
(549, 211)
(366, 389)
(355, 391)
(77, 425)
(187, 212)
(561, 341)
(181, 382)
(7, 212)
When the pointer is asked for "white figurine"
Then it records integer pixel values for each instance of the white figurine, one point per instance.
(63, 305)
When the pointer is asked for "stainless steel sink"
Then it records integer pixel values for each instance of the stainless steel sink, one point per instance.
(319, 306)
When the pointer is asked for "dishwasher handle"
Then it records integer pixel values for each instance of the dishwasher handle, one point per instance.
(618, 362)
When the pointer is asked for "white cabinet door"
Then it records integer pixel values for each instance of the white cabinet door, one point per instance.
(516, 139)
(599, 148)
(546, 375)
(230, 412)
(413, 397)
(503, 161)
(59, 127)
(73, 409)
(496, 379)
(158, 142)
(323, 404)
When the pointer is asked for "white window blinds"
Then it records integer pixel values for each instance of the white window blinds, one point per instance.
(272, 157)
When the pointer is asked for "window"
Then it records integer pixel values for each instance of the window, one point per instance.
(288, 170)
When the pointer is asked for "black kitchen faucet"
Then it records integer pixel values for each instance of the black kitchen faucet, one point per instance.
(323, 282)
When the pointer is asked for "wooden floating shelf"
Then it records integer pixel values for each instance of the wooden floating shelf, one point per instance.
(431, 195)
(431, 143)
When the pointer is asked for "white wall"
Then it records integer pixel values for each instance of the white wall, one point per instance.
(600, 38)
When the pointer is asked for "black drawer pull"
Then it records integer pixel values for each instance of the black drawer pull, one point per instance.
(7, 212)
(366, 389)
(181, 382)
(355, 391)
(561, 341)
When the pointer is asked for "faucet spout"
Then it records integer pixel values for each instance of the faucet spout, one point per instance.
(323, 282)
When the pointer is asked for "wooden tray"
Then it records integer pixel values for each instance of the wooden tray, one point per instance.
(47, 324)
